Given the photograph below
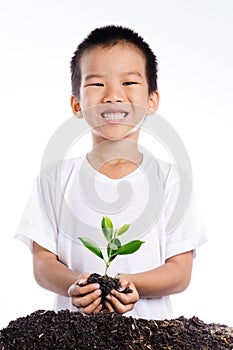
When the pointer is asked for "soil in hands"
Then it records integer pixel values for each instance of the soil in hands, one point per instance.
(65, 330)
(106, 285)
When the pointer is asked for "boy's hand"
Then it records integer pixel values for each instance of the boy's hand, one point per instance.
(86, 297)
(122, 302)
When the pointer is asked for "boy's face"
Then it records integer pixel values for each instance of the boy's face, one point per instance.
(114, 91)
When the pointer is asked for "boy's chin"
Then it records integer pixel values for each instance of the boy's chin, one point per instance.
(116, 134)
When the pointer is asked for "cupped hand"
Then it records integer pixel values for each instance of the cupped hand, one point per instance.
(120, 302)
(86, 297)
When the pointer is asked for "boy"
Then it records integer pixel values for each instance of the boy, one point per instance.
(114, 87)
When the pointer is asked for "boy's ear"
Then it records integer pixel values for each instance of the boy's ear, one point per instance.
(153, 102)
(75, 105)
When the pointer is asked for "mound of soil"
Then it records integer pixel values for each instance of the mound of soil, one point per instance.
(65, 330)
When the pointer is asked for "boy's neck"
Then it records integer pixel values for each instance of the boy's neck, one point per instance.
(115, 158)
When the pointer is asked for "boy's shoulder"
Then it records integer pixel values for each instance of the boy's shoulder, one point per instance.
(164, 168)
(65, 167)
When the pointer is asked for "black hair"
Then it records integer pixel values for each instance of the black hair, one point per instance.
(109, 36)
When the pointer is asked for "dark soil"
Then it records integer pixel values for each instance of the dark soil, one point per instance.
(106, 285)
(65, 330)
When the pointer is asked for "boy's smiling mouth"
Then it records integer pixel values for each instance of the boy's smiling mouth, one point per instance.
(114, 116)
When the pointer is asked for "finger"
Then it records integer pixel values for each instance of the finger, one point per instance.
(76, 290)
(89, 288)
(84, 276)
(124, 284)
(82, 282)
(108, 306)
(82, 279)
(124, 298)
(93, 307)
(87, 299)
(117, 306)
(98, 309)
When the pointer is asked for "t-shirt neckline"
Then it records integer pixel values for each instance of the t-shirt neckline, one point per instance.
(101, 175)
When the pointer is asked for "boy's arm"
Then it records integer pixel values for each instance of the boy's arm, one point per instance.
(172, 277)
(50, 273)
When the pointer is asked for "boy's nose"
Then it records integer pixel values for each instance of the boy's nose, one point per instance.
(113, 95)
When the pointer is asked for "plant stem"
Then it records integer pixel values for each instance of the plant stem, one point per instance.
(106, 268)
(110, 254)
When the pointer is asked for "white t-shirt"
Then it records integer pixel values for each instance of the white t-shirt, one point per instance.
(69, 199)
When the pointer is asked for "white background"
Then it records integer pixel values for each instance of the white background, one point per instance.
(193, 42)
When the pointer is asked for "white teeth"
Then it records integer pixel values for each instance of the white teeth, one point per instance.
(114, 116)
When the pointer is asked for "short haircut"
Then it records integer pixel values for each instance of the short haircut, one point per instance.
(109, 36)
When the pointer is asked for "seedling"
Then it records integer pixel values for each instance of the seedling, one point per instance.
(114, 246)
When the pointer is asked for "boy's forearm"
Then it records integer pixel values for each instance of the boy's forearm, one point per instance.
(50, 273)
(156, 283)
(55, 277)
(170, 278)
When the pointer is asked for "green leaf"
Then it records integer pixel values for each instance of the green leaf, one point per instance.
(112, 248)
(92, 246)
(112, 257)
(107, 228)
(129, 247)
(123, 229)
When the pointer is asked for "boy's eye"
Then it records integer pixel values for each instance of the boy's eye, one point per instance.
(129, 83)
(95, 84)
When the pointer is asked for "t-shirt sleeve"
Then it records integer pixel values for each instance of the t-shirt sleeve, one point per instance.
(38, 222)
(185, 229)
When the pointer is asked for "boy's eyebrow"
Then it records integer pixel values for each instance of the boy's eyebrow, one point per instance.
(96, 75)
(132, 73)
